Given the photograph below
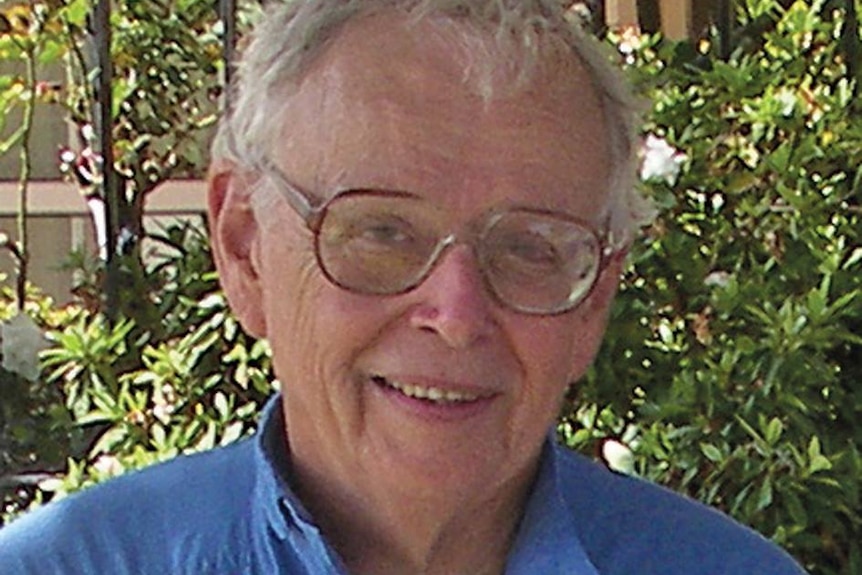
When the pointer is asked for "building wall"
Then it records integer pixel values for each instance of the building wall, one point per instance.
(50, 132)
(60, 222)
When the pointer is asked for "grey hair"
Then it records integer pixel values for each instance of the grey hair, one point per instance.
(293, 33)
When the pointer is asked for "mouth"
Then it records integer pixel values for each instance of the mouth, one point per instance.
(435, 395)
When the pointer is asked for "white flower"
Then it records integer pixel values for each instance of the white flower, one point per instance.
(787, 101)
(88, 133)
(717, 279)
(661, 161)
(108, 465)
(22, 342)
(67, 156)
(618, 457)
(630, 41)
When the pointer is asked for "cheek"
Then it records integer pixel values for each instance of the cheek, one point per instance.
(289, 301)
(291, 290)
(553, 356)
(315, 329)
(558, 352)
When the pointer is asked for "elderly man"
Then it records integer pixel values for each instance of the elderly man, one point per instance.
(424, 206)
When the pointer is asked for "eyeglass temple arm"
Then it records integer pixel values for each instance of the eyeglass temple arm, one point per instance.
(294, 196)
(297, 200)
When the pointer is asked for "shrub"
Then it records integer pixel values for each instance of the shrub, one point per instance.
(730, 360)
(136, 397)
(36, 432)
(730, 363)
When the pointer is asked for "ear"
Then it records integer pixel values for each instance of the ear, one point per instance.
(608, 282)
(592, 315)
(235, 239)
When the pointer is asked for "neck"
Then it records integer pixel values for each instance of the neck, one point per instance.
(382, 531)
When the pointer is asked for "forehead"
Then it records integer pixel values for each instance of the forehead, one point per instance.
(407, 104)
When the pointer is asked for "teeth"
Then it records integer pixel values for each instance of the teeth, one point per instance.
(434, 394)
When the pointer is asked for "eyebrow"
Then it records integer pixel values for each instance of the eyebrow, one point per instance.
(309, 206)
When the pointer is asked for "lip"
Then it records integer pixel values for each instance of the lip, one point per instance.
(435, 411)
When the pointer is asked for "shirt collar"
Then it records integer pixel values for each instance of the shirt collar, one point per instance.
(282, 510)
(547, 541)
(282, 507)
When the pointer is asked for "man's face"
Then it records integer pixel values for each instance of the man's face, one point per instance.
(386, 107)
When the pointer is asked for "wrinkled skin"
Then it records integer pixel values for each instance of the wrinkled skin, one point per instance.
(399, 484)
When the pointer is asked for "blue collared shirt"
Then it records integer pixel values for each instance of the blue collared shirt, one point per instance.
(230, 511)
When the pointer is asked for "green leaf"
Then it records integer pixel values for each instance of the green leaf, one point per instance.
(814, 447)
(109, 440)
(773, 431)
(222, 406)
(711, 452)
(817, 461)
(76, 12)
(157, 432)
(796, 509)
(764, 494)
(232, 433)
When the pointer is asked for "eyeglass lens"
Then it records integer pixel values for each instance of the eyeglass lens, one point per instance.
(533, 262)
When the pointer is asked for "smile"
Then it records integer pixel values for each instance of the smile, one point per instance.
(433, 394)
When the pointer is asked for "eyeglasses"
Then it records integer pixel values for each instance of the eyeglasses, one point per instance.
(379, 242)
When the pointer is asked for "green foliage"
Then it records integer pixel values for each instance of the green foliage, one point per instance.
(134, 397)
(177, 374)
(36, 432)
(732, 355)
(166, 62)
(731, 358)
(197, 384)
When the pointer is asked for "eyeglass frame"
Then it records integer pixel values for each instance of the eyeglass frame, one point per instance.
(313, 215)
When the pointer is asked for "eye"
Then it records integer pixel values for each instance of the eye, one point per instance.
(383, 231)
(529, 249)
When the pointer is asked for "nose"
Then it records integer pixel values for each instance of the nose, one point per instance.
(453, 301)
